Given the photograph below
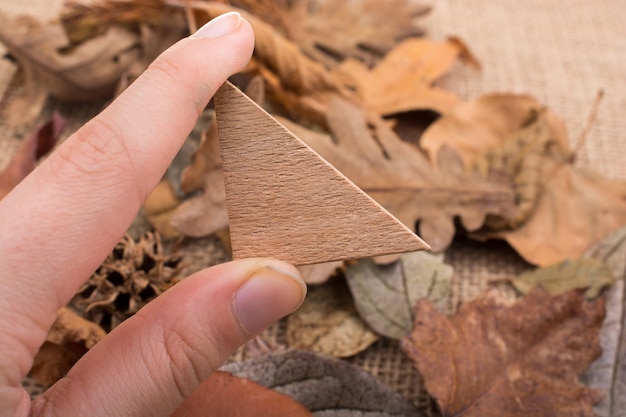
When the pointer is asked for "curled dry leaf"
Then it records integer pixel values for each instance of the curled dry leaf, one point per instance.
(595, 275)
(506, 135)
(160, 206)
(403, 80)
(225, 395)
(402, 180)
(38, 144)
(329, 32)
(132, 275)
(575, 209)
(328, 387)
(68, 339)
(52, 67)
(384, 295)
(608, 373)
(327, 322)
(518, 360)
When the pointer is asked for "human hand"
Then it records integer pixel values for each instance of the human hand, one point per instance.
(61, 222)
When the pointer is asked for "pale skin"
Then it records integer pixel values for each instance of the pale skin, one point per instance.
(60, 223)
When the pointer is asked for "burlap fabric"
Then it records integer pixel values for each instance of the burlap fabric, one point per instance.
(562, 52)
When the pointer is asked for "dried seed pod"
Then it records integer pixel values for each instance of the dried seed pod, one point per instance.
(133, 274)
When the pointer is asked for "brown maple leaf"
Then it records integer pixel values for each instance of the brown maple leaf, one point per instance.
(518, 360)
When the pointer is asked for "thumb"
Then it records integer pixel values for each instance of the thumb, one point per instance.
(149, 364)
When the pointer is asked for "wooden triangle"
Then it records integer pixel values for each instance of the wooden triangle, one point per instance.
(285, 201)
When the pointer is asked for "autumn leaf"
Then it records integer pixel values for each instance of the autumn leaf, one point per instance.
(327, 322)
(328, 387)
(570, 274)
(330, 32)
(69, 338)
(38, 144)
(224, 395)
(88, 71)
(160, 206)
(519, 360)
(403, 80)
(402, 180)
(384, 295)
(575, 209)
(608, 373)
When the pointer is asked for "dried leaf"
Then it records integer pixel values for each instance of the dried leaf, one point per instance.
(328, 387)
(398, 176)
(385, 295)
(329, 32)
(160, 206)
(132, 275)
(574, 210)
(576, 273)
(70, 337)
(520, 360)
(608, 373)
(403, 80)
(508, 135)
(224, 395)
(327, 322)
(38, 144)
(87, 71)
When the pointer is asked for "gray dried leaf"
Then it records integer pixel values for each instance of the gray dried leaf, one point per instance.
(326, 386)
(608, 373)
(384, 295)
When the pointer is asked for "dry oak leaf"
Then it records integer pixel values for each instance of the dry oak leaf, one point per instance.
(52, 67)
(38, 144)
(402, 180)
(329, 32)
(508, 135)
(518, 360)
(608, 373)
(327, 322)
(384, 295)
(575, 209)
(403, 80)
(326, 386)
(68, 339)
(225, 395)
(489, 123)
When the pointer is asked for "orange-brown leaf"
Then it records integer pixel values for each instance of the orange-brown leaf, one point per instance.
(225, 395)
(519, 360)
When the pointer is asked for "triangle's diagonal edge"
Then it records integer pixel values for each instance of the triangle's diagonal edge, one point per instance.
(313, 213)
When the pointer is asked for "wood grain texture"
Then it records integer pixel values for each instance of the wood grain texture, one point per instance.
(285, 201)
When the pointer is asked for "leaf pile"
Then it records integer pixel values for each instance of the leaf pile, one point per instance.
(357, 81)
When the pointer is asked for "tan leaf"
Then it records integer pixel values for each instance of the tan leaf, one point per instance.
(70, 337)
(224, 395)
(330, 31)
(328, 322)
(520, 360)
(403, 80)
(87, 71)
(38, 144)
(575, 210)
(160, 206)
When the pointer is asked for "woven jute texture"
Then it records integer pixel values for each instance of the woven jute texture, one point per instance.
(562, 52)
